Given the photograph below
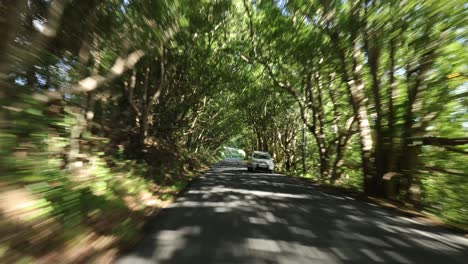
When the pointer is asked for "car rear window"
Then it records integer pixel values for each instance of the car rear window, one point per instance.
(261, 156)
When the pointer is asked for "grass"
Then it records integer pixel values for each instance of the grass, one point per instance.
(64, 209)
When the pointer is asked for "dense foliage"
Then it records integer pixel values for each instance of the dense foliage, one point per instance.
(107, 104)
(380, 87)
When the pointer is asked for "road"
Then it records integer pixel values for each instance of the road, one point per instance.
(231, 216)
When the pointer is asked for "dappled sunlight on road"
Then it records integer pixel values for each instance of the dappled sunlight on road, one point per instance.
(231, 216)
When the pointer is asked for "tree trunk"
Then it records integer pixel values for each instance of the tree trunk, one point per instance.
(356, 90)
(304, 150)
(409, 159)
(352, 76)
(390, 135)
(10, 11)
(144, 116)
(373, 54)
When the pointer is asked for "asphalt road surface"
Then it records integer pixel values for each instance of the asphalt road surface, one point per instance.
(232, 216)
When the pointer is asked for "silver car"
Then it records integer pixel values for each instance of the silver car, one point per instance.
(260, 160)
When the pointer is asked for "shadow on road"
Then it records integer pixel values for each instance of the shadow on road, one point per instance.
(232, 216)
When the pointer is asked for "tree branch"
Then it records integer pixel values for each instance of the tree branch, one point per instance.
(447, 171)
(439, 141)
(92, 82)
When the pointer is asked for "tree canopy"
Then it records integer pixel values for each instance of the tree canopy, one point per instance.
(368, 94)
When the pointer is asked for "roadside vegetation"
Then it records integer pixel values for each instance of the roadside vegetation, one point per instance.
(108, 108)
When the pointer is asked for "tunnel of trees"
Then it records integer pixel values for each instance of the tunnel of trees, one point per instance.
(103, 100)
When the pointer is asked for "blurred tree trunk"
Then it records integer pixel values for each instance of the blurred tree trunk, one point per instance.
(391, 159)
(351, 73)
(416, 74)
(372, 47)
(304, 150)
(10, 12)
